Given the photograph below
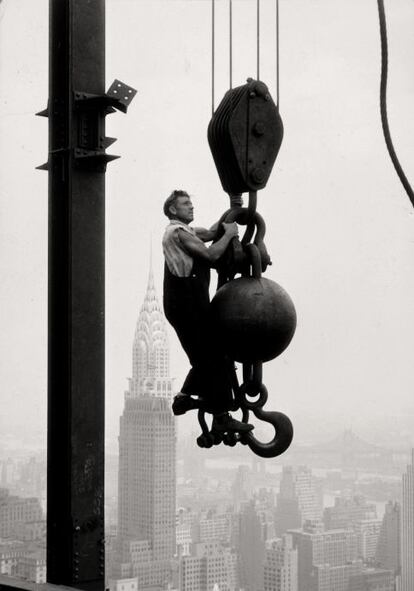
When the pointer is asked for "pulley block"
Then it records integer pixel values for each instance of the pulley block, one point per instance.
(245, 135)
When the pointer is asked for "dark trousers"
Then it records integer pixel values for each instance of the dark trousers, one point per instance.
(187, 308)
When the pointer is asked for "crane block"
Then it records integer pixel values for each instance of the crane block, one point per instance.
(245, 135)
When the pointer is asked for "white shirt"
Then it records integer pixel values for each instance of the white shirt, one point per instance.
(179, 262)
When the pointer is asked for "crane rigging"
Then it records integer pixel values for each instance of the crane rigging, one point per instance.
(254, 317)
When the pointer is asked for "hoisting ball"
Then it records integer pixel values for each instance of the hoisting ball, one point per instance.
(255, 319)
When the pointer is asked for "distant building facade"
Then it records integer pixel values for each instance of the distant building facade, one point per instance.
(242, 487)
(11, 553)
(326, 559)
(388, 553)
(210, 566)
(251, 548)
(372, 579)
(281, 565)
(147, 457)
(407, 528)
(123, 584)
(15, 511)
(32, 566)
(347, 511)
(368, 532)
(326, 577)
(297, 500)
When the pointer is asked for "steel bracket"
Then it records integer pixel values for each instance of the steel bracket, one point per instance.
(91, 109)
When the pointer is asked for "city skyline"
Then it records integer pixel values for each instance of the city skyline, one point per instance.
(258, 481)
(339, 226)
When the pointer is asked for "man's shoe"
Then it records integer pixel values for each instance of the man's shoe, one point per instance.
(183, 403)
(225, 423)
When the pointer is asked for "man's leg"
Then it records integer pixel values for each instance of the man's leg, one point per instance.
(186, 399)
(209, 378)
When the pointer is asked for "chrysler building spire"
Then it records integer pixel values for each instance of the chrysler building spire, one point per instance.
(150, 352)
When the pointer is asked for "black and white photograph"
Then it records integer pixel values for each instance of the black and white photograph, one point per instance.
(207, 295)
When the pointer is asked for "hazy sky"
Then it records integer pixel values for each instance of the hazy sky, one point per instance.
(340, 227)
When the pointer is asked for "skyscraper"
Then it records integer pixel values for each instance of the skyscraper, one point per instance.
(326, 559)
(281, 565)
(251, 548)
(297, 500)
(407, 528)
(210, 566)
(147, 455)
(372, 579)
(389, 544)
(17, 510)
(347, 511)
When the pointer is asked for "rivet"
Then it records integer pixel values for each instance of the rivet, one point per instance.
(258, 175)
(259, 128)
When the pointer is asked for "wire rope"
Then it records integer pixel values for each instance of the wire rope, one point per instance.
(258, 38)
(277, 53)
(231, 42)
(212, 53)
(383, 103)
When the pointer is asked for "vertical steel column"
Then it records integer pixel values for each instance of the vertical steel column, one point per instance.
(75, 491)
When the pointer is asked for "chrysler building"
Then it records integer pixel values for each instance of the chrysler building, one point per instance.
(147, 455)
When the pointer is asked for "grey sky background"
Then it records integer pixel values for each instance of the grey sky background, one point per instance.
(340, 227)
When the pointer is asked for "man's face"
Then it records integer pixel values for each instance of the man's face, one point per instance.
(183, 209)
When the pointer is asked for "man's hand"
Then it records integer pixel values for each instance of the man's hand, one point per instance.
(231, 230)
(196, 248)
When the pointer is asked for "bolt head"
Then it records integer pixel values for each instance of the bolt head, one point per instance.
(259, 128)
(258, 174)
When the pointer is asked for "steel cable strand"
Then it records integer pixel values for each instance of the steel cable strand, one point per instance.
(213, 24)
(277, 54)
(383, 103)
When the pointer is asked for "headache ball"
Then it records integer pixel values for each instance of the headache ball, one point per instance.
(255, 319)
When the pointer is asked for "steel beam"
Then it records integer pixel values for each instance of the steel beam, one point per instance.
(75, 490)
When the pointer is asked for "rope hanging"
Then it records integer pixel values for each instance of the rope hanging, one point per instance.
(213, 28)
(212, 53)
(383, 103)
(277, 53)
(258, 39)
(231, 42)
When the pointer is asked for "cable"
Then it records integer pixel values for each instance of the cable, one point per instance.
(212, 53)
(277, 53)
(383, 102)
(231, 41)
(258, 39)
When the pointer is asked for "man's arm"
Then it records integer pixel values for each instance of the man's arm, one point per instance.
(207, 235)
(196, 247)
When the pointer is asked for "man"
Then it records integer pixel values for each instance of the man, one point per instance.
(187, 308)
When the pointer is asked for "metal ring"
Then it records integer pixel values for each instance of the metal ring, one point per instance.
(251, 218)
(253, 404)
(255, 260)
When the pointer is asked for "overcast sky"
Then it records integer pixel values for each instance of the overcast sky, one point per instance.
(340, 227)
